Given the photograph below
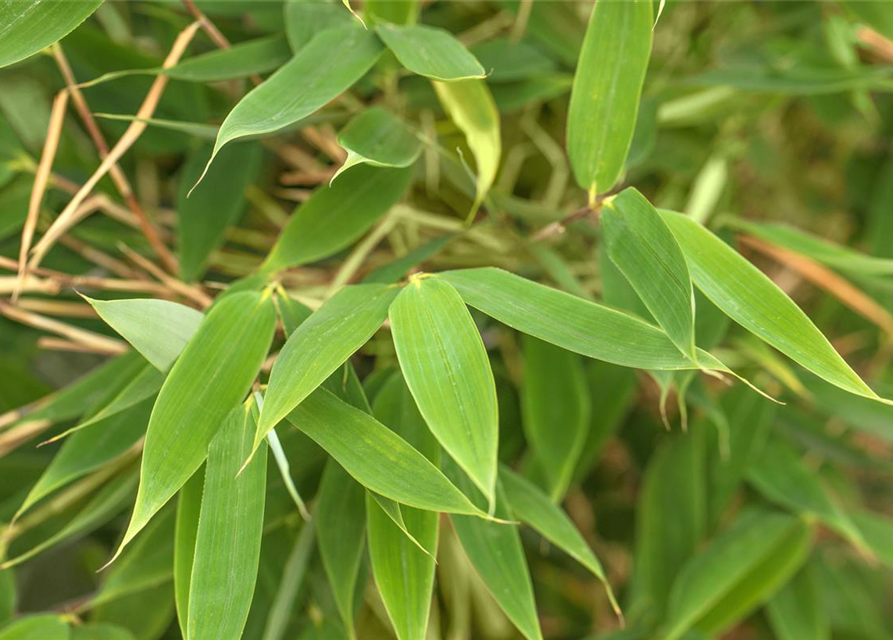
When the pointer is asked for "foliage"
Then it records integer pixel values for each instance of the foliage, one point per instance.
(418, 320)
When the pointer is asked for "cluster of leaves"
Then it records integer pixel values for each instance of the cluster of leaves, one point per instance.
(419, 404)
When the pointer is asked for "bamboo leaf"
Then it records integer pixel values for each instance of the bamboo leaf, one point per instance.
(556, 408)
(36, 627)
(239, 61)
(752, 300)
(403, 556)
(469, 104)
(378, 138)
(215, 205)
(877, 531)
(326, 67)
(570, 322)
(797, 611)
(740, 569)
(27, 27)
(605, 96)
(319, 346)
(496, 553)
(158, 329)
(230, 527)
(101, 632)
(431, 52)
(189, 505)
(645, 251)
(337, 215)
(303, 20)
(341, 525)
(392, 11)
(375, 456)
(534, 508)
(228, 349)
(446, 367)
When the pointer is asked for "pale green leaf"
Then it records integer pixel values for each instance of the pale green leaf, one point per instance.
(230, 528)
(37, 627)
(337, 215)
(27, 26)
(158, 329)
(739, 570)
(341, 527)
(213, 374)
(605, 96)
(556, 408)
(378, 138)
(752, 300)
(431, 52)
(332, 62)
(469, 104)
(392, 11)
(320, 345)
(375, 456)
(101, 632)
(645, 251)
(446, 367)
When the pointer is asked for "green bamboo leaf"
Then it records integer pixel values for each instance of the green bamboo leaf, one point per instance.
(469, 104)
(228, 349)
(446, 367)
(99, 509)
(431, 52)
(337, 215)
(215, 205)
(320, 345)
(797, 611)
(341, 525)
(333, 61)
(644, 249)
(29, 26)
(392, 11)
(376, 457)
(752, 300)
(239, 61)
(739, 570)
(670, 520)
(570, 322)
(147, 614)
(378, 138)
(534, 508)
(403, 557)
(88, 450)
(147, 563)
(37, 627)
(189, 505)
(197, 129)
(605, 97)
(508, 60)
(230, 528)
(158, 329)
(554, 394)
(303, 20)
(877, 531)
(780, 475)
(496, 553)
(100, 632)
(396, 270)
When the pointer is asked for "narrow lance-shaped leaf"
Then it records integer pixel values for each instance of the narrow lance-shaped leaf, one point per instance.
(46, 627)
(431, 52)
(29, 26)
(570, 322)
(327, 66)
(797, 610)
(303, 20)
(469, 104)
(213, 374)
(230, 528)
(644, 249)
(740, 569)
(377, 457)
(239, 61)
(337, 215)
(378, 138)
(320, 345)
(533, 507)
(158, 329)
(403, 569)
(189, 506)
(556, 408)
(496, 553)
(446, 367)
(605, 96)
(752, 300)
(341, 527)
